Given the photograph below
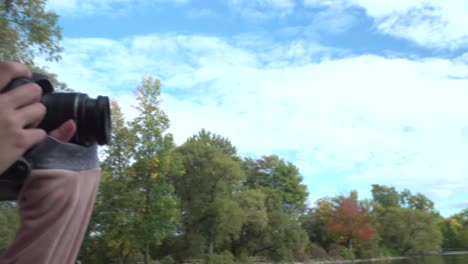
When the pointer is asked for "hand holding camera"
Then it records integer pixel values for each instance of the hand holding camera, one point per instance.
(48, 163)
(29, 109)
(20, 114)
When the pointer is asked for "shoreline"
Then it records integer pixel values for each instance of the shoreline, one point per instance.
(389, 258)
(341, 261)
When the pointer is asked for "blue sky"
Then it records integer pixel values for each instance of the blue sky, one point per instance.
(354, 92)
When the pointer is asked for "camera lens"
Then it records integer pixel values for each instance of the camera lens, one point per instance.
(92, 116)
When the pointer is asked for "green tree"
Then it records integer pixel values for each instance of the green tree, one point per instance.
(451, 230)
(405, 222)
(283, 177)
(255, 221)
(212, 216)
(28, 30)
(122, 145)
(455, 230)
(113, 218)
(221, 143)
(283, 237)
(407, 231)
(463, 238)
(385, 196)
(417, 201)
(157, 211)
(462, 217)
(315, 220)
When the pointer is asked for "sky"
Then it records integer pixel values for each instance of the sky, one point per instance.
(353, 92)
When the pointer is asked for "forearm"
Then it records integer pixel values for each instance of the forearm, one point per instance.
(55, 206)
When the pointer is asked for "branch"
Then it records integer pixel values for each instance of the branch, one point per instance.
(262, 249)
(15, 22)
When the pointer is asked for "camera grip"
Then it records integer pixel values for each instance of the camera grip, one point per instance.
(16, 83)
(37, 78)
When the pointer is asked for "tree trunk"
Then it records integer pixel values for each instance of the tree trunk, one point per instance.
(350, 243)
(210, 249)
(147, 207)
(121, 255)
(146, 255)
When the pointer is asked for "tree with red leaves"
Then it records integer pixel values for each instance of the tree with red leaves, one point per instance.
(350, 222)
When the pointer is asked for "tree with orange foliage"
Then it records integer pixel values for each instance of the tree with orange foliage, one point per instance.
(350, 222)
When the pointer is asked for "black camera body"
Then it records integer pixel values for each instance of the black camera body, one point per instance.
(92, 117)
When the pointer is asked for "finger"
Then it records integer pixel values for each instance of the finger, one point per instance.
(65, 132)
(11, 70)
(32, 115)
(34, 136)
(24, 95)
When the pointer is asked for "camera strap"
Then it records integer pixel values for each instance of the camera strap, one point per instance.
(11, 181)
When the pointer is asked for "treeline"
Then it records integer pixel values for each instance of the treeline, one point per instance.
(163, 203)
(159, 202)
(201, 200)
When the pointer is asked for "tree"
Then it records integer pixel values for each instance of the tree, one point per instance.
(112, 220)
(385, 196)
(280, 182)
(462, 217)
(255, 221)
(407, 231)
(122, 145)
(221, 143)
(451, 230)
(282, 177)
(28, 30)
(350, 222)
(455, 230)
(315, 220)
(156, 214)
(417, 201)
(211, 213)
(406, 223)
(281, 239)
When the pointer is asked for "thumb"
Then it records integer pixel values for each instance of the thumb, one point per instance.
(65, 132)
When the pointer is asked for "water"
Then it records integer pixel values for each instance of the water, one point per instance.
(448, 258)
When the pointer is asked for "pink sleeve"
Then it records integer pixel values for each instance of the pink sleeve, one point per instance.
(55, 207)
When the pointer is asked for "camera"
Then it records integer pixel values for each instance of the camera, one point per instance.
(92, 117)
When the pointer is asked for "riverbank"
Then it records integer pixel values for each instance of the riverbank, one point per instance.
(344, 261)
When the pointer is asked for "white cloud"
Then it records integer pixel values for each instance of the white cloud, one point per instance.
(403, 121)
(430, 23)
(103, 7)
(261, 9)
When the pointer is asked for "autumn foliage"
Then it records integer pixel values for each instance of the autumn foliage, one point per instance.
(350, 222)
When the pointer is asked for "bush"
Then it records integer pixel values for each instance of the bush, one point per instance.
(317, 252)
(167, 260)
(245, 260)
(346, 253)
(226, 258)
(368, 250)
(335, 252)
(340, 252)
